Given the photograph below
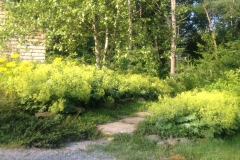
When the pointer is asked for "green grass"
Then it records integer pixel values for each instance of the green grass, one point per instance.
(227, 149)
(19, 128)
(136, 147)
(131, 147)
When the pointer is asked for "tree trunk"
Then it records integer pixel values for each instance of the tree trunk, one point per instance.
(210, 27)
(156, 46)
(140, 9)
(174, 35)
(96, 43)
(113, 37)
(106, 43)
(130, 28)
(231, 9)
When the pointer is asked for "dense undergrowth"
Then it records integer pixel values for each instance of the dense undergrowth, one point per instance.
(62, 85)
(20, 128)
(199, 114)
(208, 111)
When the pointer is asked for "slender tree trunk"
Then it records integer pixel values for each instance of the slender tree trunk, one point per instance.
(106, 43)
(231, 9)
(140, 10)
(174, 36)
(115, 23)
(96, 43)
(156, 46)
(130, 28)
(113, 37)
(210, 27)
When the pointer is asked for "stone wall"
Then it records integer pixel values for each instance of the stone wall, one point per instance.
(33, 49)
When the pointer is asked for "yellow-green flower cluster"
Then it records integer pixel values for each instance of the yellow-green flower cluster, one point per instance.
(24, 66)
(3, 60)
(15, 56)
(58, 59)
(11, 64)
(3, 69)
(3, 65)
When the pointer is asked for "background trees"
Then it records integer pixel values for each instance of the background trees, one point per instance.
(133, 35)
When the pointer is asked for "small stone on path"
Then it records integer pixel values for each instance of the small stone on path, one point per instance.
(133, 120)
(124, 125)
(116, 127)
(143, 114)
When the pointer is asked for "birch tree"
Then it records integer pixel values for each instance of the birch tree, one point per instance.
(174, 36)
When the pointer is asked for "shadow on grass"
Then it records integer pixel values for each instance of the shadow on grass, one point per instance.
(19, 128)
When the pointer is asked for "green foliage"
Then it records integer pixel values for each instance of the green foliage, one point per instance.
(228, 82)
(197, 114)
(213, 68)
(18, 127)
(68, 30)
(190, 78)
(146, 61)
(44, 84)
(63, 85)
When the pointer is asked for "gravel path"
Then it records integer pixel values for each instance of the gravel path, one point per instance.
(71, 151)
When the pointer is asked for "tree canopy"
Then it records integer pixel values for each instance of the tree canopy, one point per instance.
(133, 35)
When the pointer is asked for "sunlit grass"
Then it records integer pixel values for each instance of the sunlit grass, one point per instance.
(226, 149)
(131, 147)
(136, 147)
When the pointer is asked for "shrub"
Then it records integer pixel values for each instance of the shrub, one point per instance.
(198, 114)
(63, 85)
(42, 85)
(228, 82)
(19, 128)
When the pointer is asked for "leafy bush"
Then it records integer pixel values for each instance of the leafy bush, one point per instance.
(19, 128)
(63, 85)
(198, 114)
(230, 81)
(23, 129)
(213, 66)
